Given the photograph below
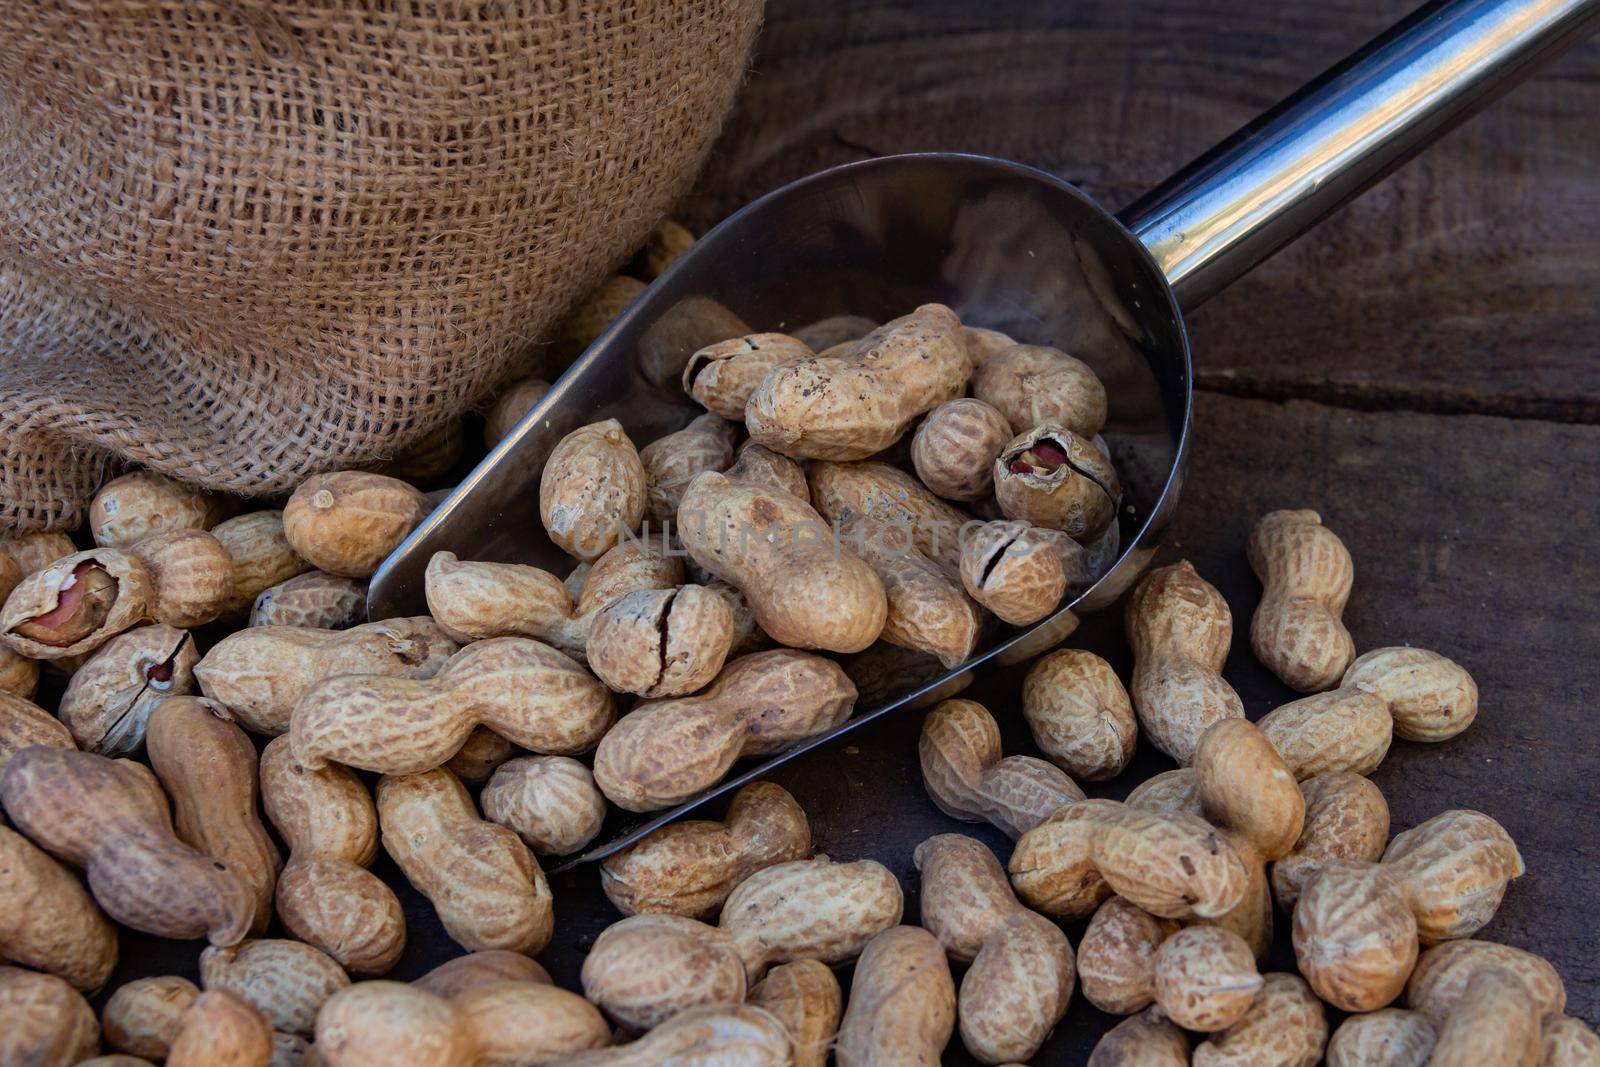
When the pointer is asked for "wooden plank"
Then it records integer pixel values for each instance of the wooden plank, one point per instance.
(1466, 283)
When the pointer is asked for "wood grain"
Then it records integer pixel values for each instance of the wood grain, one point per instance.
(1465, 283)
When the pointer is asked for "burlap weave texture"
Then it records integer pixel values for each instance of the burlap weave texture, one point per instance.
(245, 241)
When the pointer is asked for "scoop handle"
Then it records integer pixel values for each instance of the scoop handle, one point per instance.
(1283, 173)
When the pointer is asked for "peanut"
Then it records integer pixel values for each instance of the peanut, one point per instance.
(1171, 865)
(955, 448)
(44, 1022)
(1175, 790)
(1346, 819)
(208, 767)
(1117, 956)
(593, 316)
(1247, 792)
(479, 756)
(1440, 979)
(1341, 731)
(835, 330)
(429, 457)
(891, 496)
(514, 1023)
(1021, 973)
(118, 1059)
(109, 817)
(1567, 1042)
(192, 576)
(984, 344)
(482, 880)
(902, 1003)
(472, 601)
(48, 921)
(593, 490)
(928, 610)
(689, 868)
(1050, 477)
(286, 981)
(747, 1036)
(860, 402)
(1430, 697)
(19, 675)
(392, 1024)
(886, 672)
(1355, 938)
(142, 504)
(290, 1050)
(665, 751)
(108, 703)
(1284, 1026)
(1392, 1037)
(661, 642)
(347, 522)
(510, 405)
(489, 967)
(805, 997)
(748, 636)
(1496, 1022)
(1179, 628)
(36, 551)
(24, 723)
(1306, 574)
(810, 909)
(671, 463)
(722, 376)
(260, 673)
(1148, 1039)
(1205, 978)
(1020, 572)
(142, 1017)
(523, 690)
(1030, 384)
(968, 780)
(682, 330)
(325, 895)
(262, 557)
(76, 604)
(806, 590)
(643, 970)
(317, 600)
(551, 802)
(666, 243)
(1454, 870)
(1079, 714)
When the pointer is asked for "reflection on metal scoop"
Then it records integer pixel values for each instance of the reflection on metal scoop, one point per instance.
(1017, 250)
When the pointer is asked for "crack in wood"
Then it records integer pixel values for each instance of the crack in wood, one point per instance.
(1384, 397)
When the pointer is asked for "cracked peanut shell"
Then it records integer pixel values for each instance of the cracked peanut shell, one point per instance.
(1049, 476)
(76, 604)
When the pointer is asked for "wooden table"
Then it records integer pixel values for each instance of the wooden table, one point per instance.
(1419, 371)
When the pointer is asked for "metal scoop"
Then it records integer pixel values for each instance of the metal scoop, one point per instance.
(1021, 251)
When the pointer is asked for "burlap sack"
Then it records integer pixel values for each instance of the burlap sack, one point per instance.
(245, 240)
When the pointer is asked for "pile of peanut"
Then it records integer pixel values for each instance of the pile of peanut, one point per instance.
(467, 741)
